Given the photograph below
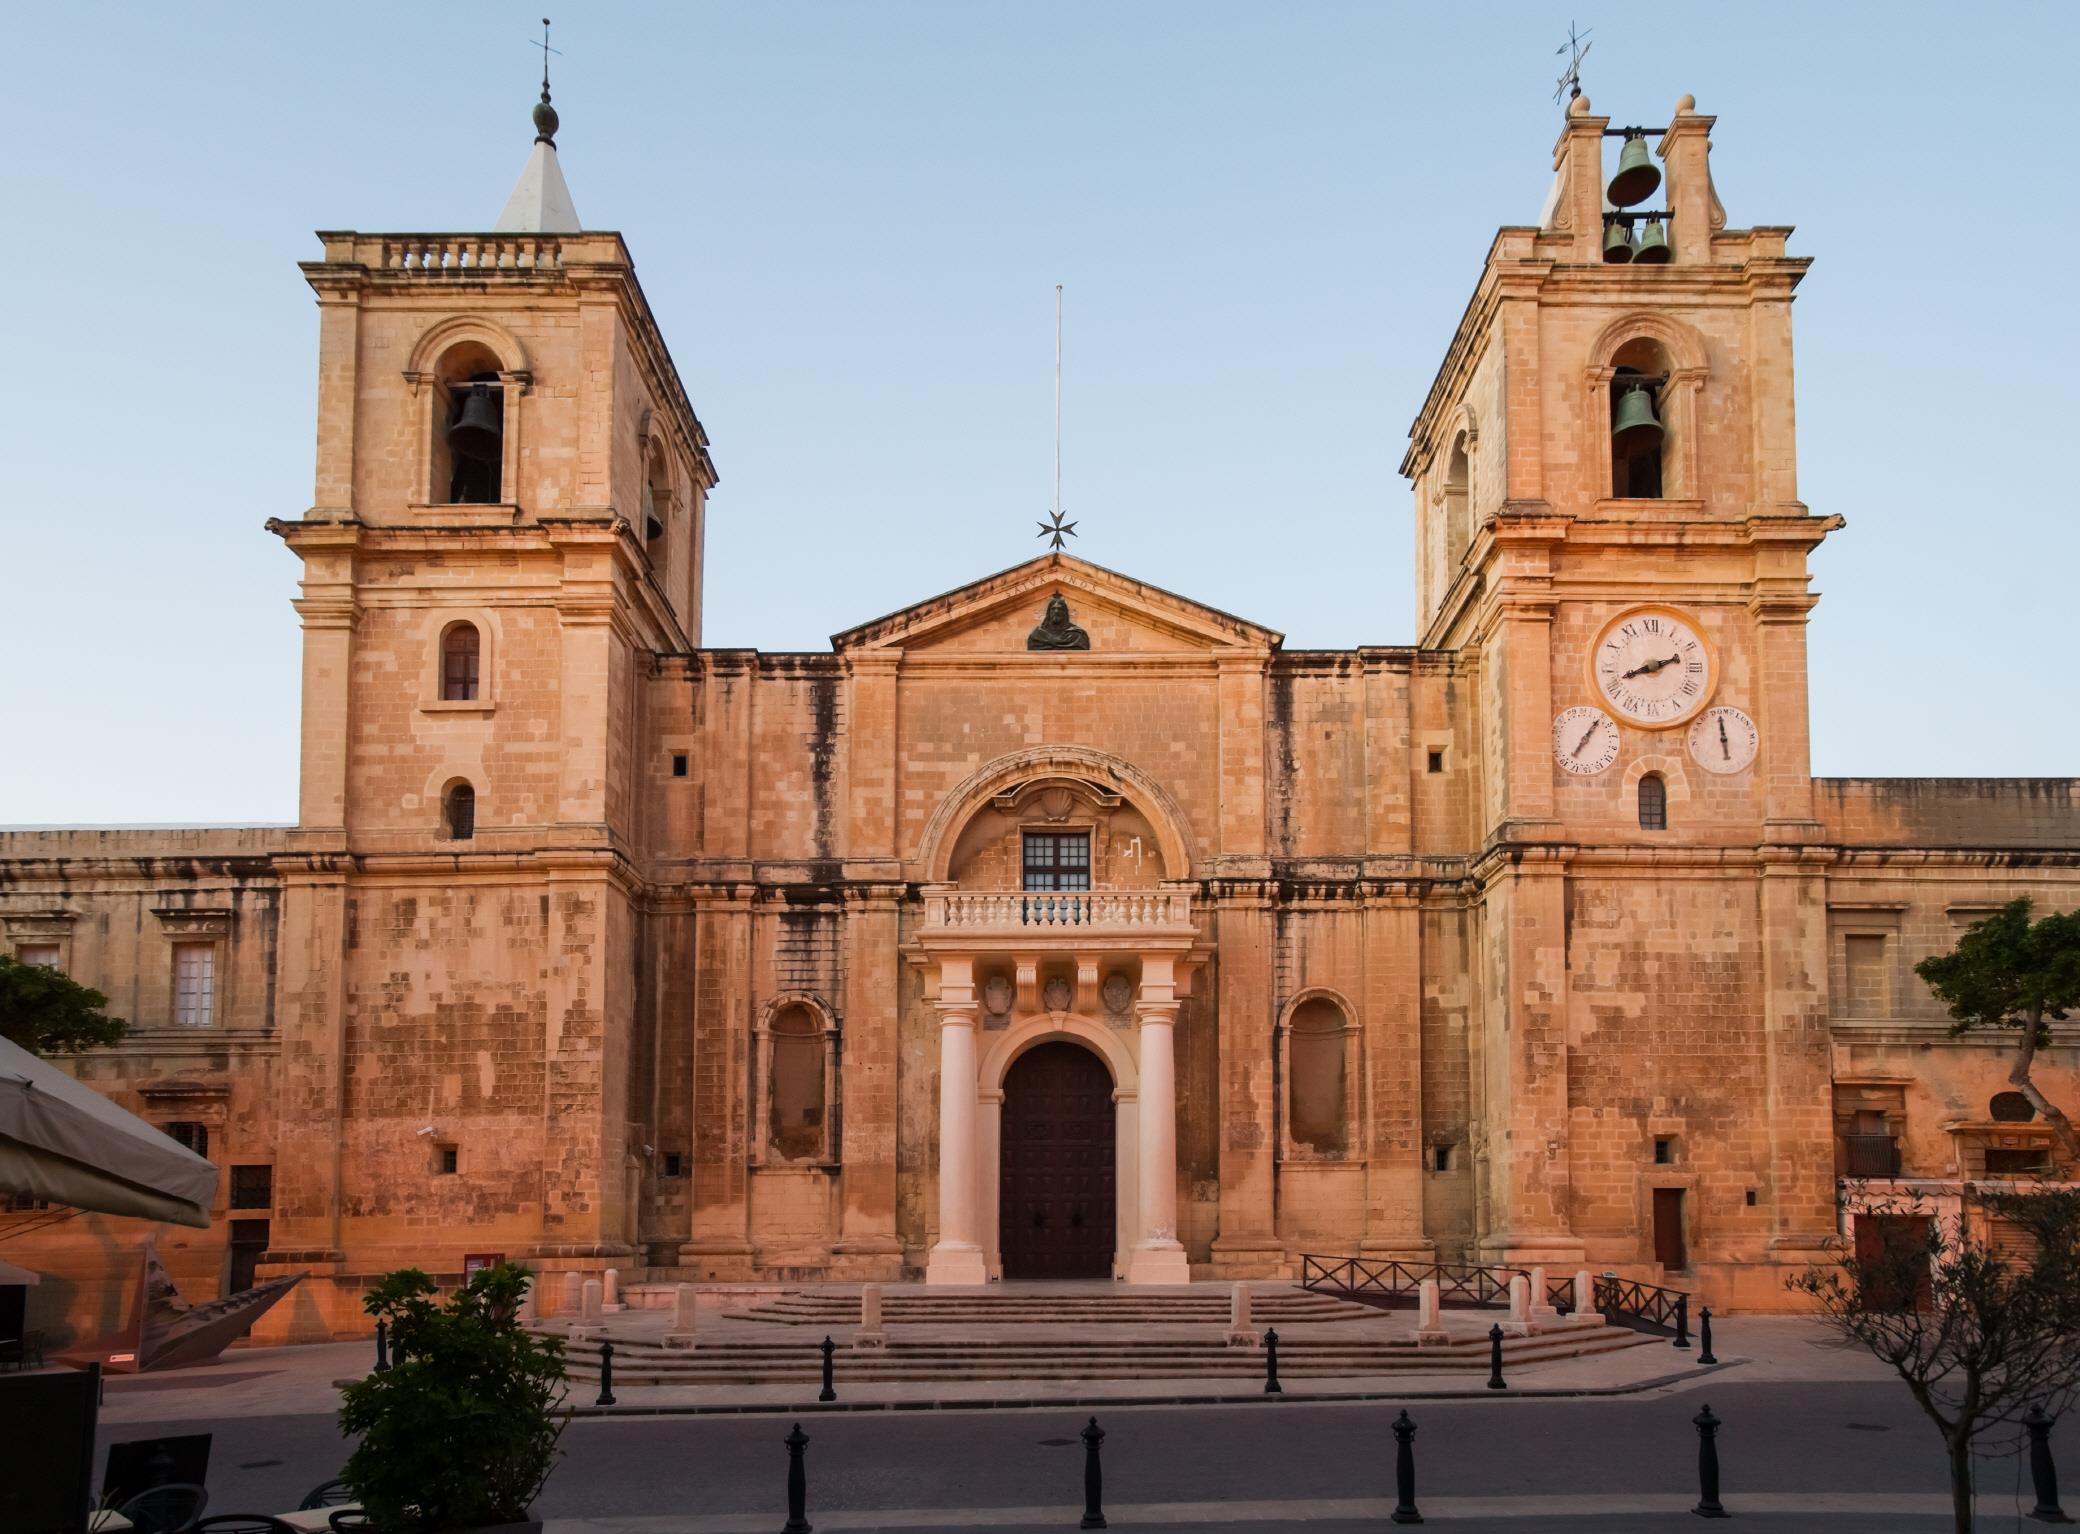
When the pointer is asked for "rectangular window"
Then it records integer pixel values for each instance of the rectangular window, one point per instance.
(445, 1160)
(674, 1164)
(252, 1187)
(1057, 860)
(190, 1134)
(2016, 1163)
(1441, 1158)
(678, 764)
(40, 955)
(194, 984)
(1437, 761)
(1868, 976)
(1664, 1151)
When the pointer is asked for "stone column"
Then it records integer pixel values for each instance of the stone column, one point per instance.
(957, 1258)
(1159, 1257)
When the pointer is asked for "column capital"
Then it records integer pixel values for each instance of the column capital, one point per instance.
(1163, 1013)
(955, 1015)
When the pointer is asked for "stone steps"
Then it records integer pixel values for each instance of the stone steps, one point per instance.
(735, 1361)
(841, 1309)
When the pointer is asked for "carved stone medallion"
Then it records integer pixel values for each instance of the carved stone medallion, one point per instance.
(1119, 993)
(1057, 995)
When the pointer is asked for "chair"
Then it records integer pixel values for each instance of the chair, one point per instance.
(331, 1494)
(32, 1349)
(169, 1509)
(348, 1520)
(242, 1523)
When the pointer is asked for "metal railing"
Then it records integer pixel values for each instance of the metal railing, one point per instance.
(1643, 1307)
(1394, 1285)
(1872, 1155)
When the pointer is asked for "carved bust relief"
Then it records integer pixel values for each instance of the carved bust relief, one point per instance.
(1056, 632)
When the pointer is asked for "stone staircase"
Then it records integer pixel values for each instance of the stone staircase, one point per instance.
(1013, 1338)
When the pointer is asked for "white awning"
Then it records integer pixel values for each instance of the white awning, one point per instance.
(63, 1141)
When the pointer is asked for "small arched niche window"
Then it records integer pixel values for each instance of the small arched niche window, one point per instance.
(1318, 1077)
(1653, 803)
(460, 653)
(459, 812)
(1458, 514)
(797, 1097)
(1642, 435)
(469, 428)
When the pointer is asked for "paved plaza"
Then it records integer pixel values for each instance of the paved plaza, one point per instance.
(1814, 1438)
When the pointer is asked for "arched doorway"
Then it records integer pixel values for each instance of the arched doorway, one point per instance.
(1055, 1206)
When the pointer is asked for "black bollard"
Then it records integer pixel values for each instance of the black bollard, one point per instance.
(829, 1392)
(1271, 1384)
(1708, 1466)
(382, 1345)
(1405, 1471)
(606, 1373)
(797, 1484)
(1495, 1359)
(1682, 1320)
(1704, 1336)
(1093, 1478)
(2042, 1472)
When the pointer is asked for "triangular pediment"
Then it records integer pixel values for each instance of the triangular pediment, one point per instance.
(996, 614)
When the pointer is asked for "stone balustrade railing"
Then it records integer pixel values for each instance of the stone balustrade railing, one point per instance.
(460, 254)
(1033, 912)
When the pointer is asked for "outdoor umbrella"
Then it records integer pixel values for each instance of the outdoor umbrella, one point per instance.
(63, 1141)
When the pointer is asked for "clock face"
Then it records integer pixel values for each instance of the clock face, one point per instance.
(1653, 667)
(1722, 740)
(1585, 741)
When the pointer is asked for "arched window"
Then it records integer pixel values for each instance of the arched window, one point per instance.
(1641, 434)
(1653, 803)
(459, 812)
(657, 501)
(795, 1127)
(459, 652)
(1458, 486)
(1318, 1068)
(469, 428)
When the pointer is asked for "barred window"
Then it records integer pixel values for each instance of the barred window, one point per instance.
(38, 955)
(194, 984)
(190, 1134)
(252, 1187)
(1653, 803)
(459, 812)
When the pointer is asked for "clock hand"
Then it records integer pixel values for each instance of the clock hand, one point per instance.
(1725, 750)
(1586, 734)
(1650, 668)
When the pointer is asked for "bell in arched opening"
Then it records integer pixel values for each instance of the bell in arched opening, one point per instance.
(1617, 244)
(1635, 422)
(1652, 249)
(1637, 175)
(477, 430)
(476, 442)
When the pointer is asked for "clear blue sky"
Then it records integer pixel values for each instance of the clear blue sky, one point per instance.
(850, 220)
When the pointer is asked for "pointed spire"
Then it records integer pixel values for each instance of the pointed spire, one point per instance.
(541, 201)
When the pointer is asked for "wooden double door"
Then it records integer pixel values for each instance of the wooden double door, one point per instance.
(1055, 1211)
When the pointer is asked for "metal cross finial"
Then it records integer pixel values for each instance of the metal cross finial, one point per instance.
(1571, 80)
(546, 51)
(1056, 529)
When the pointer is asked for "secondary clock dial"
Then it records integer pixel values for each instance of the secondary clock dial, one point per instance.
(1722, 740)
(1585, 741)
(1653, 667)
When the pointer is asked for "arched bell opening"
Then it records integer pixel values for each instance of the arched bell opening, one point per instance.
(1643, 446)
(468, 447)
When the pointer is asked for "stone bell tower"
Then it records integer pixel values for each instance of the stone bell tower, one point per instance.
(1608, 526)
(506, 528)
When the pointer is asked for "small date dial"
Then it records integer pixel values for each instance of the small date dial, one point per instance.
(1723, 740)
(1585, 740)
(1652, 667)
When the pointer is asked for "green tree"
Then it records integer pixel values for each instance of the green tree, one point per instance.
(46, 1011)
(1977, 1339)
(460, 1431)
(2010, 972)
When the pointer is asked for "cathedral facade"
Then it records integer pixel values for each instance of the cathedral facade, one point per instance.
(1058, 926)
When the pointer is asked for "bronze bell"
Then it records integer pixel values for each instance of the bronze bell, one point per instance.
(478, 427)
(1617, 244)
(1635, 419)
(1637, 174)
(1652, 249)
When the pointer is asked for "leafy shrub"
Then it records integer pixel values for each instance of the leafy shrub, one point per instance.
(460, 1431)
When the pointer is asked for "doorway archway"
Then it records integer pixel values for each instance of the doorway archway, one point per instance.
(1056, 1210)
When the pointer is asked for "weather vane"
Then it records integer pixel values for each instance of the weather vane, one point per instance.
(1054, 527)
(546, 51)
(1576, 49)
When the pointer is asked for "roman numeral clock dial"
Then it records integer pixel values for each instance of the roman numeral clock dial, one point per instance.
(1652, 668)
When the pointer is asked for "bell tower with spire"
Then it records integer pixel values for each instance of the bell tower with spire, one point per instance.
(506, 531)
(1609, 534)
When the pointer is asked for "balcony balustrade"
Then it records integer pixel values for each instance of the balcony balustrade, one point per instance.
(1020, 916)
